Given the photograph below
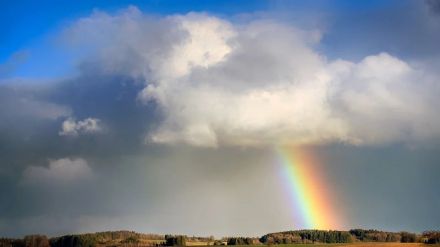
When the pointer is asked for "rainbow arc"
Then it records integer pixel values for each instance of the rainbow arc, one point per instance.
(309, 192)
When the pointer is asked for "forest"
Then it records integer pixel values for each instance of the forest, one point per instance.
(134, 239)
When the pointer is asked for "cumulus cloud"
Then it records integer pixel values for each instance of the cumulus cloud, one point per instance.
(70, 127)
(259, 83)
(61, 171)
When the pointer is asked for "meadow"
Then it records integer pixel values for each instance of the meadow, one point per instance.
(383, 244)
(357, 244)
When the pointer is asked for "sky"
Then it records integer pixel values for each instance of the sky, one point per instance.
(224, 118)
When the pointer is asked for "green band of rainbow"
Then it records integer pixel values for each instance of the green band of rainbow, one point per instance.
(308, 191)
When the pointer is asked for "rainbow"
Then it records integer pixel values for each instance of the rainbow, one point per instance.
(309, 193)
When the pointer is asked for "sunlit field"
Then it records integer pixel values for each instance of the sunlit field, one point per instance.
(370, 244)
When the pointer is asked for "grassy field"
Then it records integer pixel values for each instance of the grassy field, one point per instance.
(358, 244)
(361, 244)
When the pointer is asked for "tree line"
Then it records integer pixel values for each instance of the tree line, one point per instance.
(133, 239)
(354, 235)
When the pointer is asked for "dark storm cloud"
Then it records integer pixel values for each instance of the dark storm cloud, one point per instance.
(31, 120)
(32, 116)
(434, 5)
(407, 29)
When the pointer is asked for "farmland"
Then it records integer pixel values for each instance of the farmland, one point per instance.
(296, 238)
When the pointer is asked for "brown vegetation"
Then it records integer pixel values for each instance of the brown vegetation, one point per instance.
(355, 237)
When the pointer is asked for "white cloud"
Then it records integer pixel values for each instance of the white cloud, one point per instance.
(260, 83)
(70, 127)
(61, 171)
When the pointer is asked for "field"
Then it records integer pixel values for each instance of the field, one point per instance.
(363, 244)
